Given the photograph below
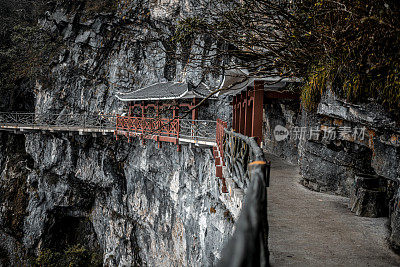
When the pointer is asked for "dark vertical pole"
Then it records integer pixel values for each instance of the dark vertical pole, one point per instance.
(257, 115)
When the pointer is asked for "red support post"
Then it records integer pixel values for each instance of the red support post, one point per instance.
(233, 113)
(258, 110)
(248, 113)
(242, 112)
(237, 122)
(177, 135)
(195, 112)
(143, 117)
(116, 126)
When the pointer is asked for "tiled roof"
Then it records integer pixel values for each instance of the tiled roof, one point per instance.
(164, 91)
(203, 91)
(237, 80)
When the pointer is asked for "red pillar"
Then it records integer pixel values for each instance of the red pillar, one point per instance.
(195, 112)
(248, 113)
(237, 113)
(239, 110)
(257, 116)
(234, 113)
(242, 112)
(143, 117)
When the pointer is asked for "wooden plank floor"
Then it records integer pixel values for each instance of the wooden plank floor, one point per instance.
(81, 130)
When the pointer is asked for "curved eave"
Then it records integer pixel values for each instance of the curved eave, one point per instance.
(152, 98)
(185, 95)
(237, 80)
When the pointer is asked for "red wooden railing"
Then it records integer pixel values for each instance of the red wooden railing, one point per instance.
(148, 127)
(168, 130)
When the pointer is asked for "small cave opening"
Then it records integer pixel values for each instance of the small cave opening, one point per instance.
(70, 241)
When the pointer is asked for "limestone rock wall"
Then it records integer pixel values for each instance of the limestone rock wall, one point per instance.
(331, 165)
(127, 203)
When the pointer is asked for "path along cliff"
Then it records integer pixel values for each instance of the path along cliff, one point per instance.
(308, 228)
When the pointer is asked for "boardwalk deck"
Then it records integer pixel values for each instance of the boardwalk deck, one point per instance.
(24, 128)
(191, 131)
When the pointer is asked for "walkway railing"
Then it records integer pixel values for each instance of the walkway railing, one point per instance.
(239, 152)
(197, 129)
(161, 129)
(249, 244)
(67, 121)
(147, 127)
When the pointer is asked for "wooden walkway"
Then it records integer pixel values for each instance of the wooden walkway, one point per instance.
(197, 132)
(315, 229)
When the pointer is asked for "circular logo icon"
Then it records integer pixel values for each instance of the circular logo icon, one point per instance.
(280, 133)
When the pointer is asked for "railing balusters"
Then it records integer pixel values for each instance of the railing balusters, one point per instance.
(244, 158)
(197, 130)
(105, 122)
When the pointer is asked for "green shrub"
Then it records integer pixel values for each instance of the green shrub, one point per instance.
(73, 256)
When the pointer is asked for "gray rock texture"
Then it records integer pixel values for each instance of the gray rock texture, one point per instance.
(332, 165)
(129, 204)
(285, 114)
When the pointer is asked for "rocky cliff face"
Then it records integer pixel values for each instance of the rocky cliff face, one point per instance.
(146, 205)
(330, 164)
(108, 201)
(131, 204)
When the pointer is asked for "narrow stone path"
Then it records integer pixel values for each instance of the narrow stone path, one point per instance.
(314, 229)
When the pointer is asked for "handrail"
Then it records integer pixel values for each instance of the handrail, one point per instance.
(86, 120)
(239, 151)
(249, 244)
(199, 130)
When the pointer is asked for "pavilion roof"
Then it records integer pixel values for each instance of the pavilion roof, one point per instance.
(165, 91)
(237, 80)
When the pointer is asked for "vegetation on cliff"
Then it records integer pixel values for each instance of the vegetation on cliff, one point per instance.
(28, 51)
(24, 47)
(73, 256)
(351, 45)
